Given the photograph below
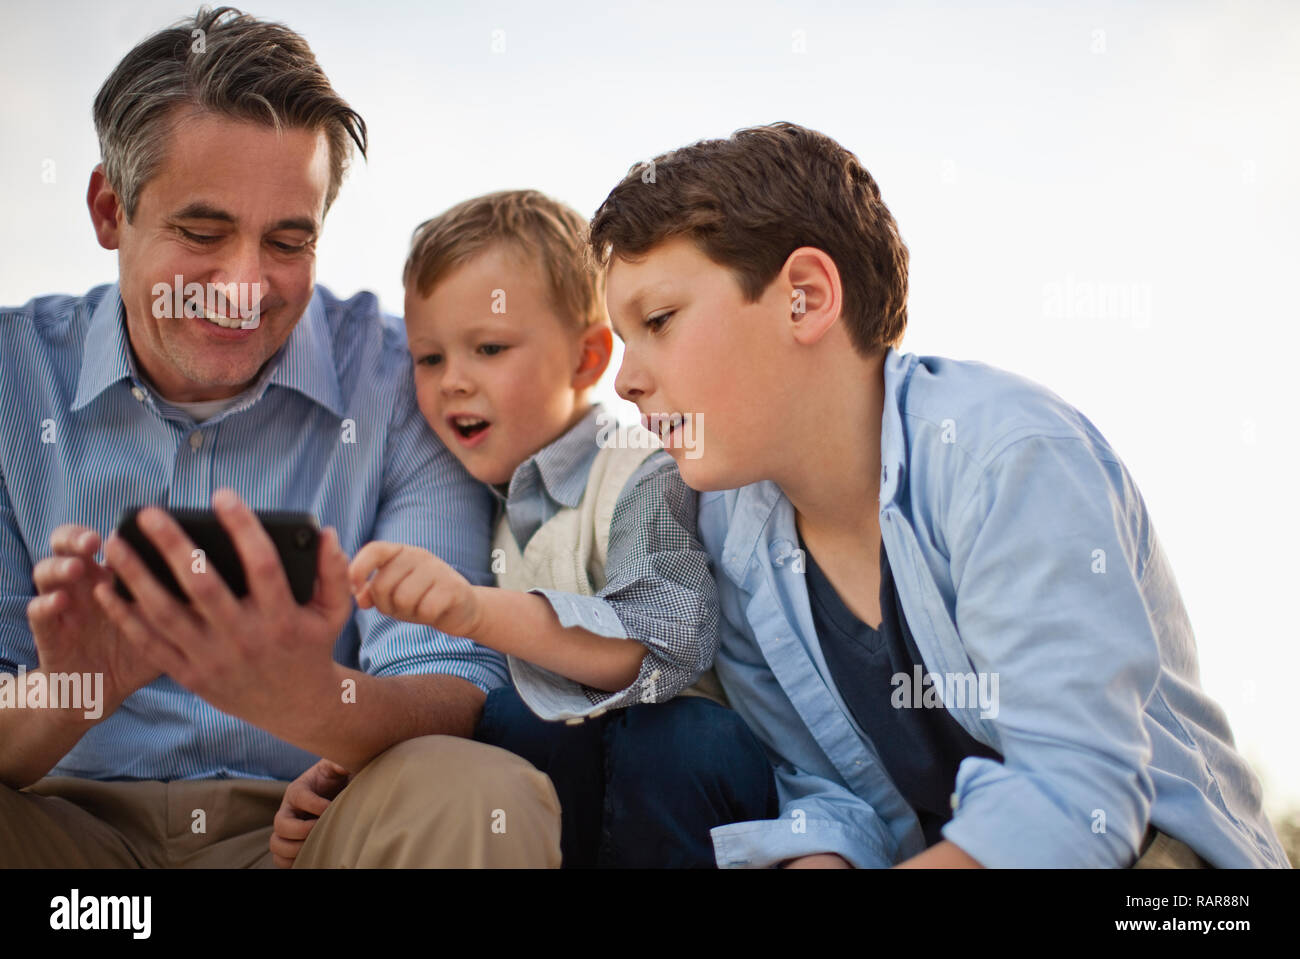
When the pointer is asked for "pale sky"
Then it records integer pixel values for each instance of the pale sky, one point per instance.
(1100, 196)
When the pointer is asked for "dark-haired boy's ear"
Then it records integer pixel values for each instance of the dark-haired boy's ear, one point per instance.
(104, 206)
(596, 347)
(816, 295)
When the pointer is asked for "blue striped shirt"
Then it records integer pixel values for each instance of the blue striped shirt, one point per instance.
(330, 427)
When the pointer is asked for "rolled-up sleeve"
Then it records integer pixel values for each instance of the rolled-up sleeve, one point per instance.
(1053, 608)
(659, 591)
(429, 500)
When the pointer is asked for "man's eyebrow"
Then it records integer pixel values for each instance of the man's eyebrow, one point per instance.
(204, 211)
(304, 223)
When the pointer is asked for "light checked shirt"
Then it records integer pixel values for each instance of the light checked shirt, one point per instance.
(659, 586)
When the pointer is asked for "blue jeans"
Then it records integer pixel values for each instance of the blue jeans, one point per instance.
(642, 786)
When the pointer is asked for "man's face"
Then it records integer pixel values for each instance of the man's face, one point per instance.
(494, 363)
(234, 204)
(694, 347)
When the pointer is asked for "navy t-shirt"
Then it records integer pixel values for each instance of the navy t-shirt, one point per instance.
(921, 748)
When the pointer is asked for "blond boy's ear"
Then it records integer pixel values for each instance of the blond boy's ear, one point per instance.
(595, 348)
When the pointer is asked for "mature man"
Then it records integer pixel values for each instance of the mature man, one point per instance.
(223, 147)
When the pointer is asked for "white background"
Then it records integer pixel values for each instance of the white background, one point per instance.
(1102, 197)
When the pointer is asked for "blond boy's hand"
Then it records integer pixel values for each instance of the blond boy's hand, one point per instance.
(413, 585)
(305, 801)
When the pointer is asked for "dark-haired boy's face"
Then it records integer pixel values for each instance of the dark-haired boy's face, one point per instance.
(695, 348)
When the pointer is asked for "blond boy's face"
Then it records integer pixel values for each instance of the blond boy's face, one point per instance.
(494, 363)
(694, 347)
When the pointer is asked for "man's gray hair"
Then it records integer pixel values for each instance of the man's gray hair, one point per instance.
(225, 62)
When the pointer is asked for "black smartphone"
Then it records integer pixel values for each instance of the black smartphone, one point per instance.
(296, 537)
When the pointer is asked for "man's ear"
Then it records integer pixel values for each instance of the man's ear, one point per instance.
(106, 211)
(816, 295)
(595, 347)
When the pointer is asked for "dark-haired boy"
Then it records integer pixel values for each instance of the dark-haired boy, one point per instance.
(945, 610)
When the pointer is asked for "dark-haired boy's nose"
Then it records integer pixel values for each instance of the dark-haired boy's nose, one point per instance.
(630, 383)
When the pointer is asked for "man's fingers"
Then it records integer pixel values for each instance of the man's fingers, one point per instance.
(333, 591)
(153, 603)
(210, 597)
(44, 608)
(56, 572)
(165, 657)
(73, 540)
(267, 582)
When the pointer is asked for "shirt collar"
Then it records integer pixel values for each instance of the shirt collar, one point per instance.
(893, 441)
(564, 464)
(105, 356)
(304, 363)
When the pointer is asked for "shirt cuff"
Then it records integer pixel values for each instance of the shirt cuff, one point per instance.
(1004, 820)
(766, 843)
(552, 696)
(590, 612)
(481, 674)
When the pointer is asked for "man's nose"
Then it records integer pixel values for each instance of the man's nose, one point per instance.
(240, 275)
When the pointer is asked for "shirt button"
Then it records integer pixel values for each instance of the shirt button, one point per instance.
(137, 393)
(954, 802)
(575, 721)
(196, 440)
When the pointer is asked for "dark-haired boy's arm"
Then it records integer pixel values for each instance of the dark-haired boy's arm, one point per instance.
(1048, 556)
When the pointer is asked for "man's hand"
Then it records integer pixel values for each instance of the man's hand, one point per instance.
(305, 801)
(262, 658)
(71, 632)
(413, 585)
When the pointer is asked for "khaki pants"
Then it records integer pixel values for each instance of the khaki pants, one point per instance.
(1162, 851)
(437, 801)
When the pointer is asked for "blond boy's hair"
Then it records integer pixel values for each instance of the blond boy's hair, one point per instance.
(536, 225)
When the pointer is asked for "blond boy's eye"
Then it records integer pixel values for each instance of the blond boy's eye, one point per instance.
(430, 359)
(655, 323)
(491, 349)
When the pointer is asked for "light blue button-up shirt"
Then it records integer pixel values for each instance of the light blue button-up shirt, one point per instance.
(330, 427)
(1021, 549)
